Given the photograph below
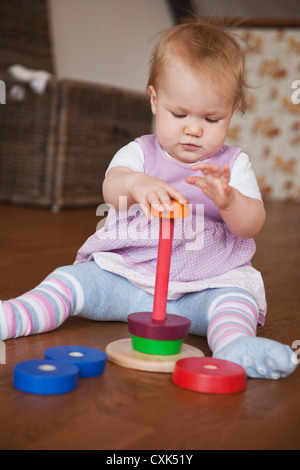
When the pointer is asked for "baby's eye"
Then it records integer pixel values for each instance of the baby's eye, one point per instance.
(179, 116)
(211, 120)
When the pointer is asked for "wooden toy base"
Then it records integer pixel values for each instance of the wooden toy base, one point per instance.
(121, 353)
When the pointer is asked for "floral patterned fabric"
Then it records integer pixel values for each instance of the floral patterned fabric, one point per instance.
(270, 130)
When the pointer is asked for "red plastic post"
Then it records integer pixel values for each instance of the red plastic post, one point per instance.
(166, 231)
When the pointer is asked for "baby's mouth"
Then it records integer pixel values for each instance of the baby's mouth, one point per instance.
(190, 147)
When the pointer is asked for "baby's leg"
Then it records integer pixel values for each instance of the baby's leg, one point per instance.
(231, 335)
(228, 317)
(82, 289)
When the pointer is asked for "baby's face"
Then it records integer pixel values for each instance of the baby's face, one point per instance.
(192, 115)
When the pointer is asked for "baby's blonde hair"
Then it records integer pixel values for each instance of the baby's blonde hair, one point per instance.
(211, 50)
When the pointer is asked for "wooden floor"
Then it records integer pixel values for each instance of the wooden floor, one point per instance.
(130, 410)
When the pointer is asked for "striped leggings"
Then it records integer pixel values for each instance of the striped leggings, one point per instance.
(85, 290)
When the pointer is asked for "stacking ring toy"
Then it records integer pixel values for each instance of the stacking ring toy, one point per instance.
(156, 342)
(156, 332)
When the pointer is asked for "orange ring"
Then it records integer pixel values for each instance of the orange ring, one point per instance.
(178, 211)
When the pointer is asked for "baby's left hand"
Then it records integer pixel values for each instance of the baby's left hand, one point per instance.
(215, 183)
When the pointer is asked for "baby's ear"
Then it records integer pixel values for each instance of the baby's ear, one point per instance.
(153, 98)
(236, 105)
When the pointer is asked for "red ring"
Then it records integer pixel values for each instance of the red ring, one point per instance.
(209, 375)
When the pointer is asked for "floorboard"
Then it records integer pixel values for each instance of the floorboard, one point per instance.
(130, 410)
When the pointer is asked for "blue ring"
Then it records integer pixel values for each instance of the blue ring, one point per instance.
(31, 377)
(91, 363)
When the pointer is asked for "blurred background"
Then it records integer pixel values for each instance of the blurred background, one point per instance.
(75, 73)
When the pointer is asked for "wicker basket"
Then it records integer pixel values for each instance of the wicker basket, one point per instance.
(25, 34)
(27, 147)
(94, 122)
(55, 147)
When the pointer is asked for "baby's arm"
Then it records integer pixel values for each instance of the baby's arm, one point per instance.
(139, 188)
(243, 215)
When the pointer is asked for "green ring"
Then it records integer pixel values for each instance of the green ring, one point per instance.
(157, 347)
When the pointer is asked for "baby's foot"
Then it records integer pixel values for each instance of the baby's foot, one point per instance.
(261, 357)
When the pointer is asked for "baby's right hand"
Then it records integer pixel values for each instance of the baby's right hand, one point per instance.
(150, 191)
